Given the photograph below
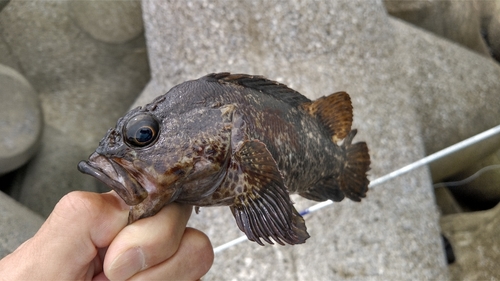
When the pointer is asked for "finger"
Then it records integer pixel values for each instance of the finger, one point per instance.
(192, 260)
(99, 216)
(79, 224)
(146, 242)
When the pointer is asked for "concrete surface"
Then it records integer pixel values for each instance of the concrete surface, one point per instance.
(317, 48)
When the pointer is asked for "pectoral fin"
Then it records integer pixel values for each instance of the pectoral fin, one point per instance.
(263, 209)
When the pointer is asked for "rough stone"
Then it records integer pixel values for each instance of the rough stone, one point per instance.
(317, 48)
(6, 56)
(474, 238)
(493, 28)
(449, 85)
(3, 3)
(408, 9)
(17, 224)
(20, 120)
(459, 21)
(471, 151)
(482, 191)
(52, 173)
(446, 202)
(84, 85)
(109, 21)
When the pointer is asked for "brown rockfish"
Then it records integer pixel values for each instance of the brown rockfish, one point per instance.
(235, 140)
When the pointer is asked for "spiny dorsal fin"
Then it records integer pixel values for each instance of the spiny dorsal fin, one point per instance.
(260, 83)
(334, 112)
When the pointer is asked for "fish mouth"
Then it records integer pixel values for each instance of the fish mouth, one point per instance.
(115, 176)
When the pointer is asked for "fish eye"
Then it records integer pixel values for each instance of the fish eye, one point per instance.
(141, 130)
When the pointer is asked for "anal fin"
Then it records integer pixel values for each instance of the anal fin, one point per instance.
(326, 188)
(334, 112)
(263, 208)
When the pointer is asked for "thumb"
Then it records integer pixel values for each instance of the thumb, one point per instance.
(99, 216)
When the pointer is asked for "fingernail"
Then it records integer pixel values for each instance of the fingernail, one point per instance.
(128, 264)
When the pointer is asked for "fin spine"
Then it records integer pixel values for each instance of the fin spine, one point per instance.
(269, 87)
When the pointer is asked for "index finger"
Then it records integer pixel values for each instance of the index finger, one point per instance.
(146, 242)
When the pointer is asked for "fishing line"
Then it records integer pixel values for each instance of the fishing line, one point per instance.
(468, 179)
(401, 171)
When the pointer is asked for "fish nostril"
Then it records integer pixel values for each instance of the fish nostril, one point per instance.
(113, 138)
(111, 145)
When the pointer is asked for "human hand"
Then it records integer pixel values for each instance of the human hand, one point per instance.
(86, 237)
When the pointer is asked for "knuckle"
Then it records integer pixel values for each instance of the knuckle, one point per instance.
(77, 205)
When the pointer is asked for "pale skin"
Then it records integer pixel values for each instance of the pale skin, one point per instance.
(86, 237)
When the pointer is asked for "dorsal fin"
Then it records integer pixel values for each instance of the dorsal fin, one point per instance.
(334, 112)
(260, 83)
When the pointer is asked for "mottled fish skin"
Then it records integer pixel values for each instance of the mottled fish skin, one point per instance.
(237, 140)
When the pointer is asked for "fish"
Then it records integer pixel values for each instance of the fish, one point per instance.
(235, 140)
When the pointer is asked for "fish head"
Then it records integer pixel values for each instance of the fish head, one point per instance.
(153, 157)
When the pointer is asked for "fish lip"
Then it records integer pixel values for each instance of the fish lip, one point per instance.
(115, 176)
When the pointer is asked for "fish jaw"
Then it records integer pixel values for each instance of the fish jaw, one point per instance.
(114, 176)
(139, 192)
(152, 204)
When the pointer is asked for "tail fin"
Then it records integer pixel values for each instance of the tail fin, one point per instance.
(353, 180)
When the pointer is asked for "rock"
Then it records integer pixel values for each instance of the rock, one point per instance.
(459, 21)
(109, 21)
(410, 11)
(152, 90)
(481, 191)
(474, 24)
(52, 174)
(3, 3)
(84, 86)
(448, 95)
(20, 120)
(57, 55)
(317, 48)
(471, 151)
(474, 238)
(446, 201)
(17, 224)
(493, 28)
(6, 56)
